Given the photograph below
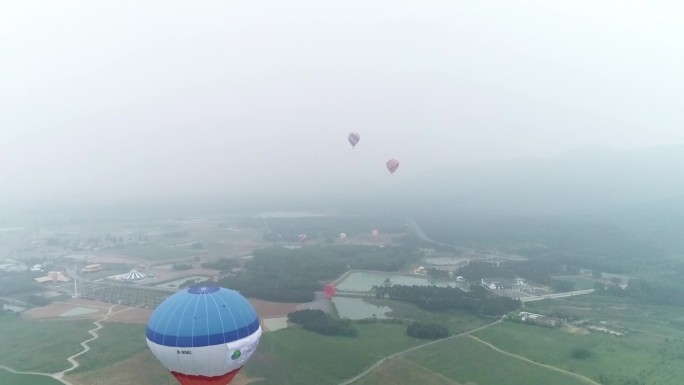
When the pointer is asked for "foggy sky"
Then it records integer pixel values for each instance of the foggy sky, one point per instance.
(102, 100)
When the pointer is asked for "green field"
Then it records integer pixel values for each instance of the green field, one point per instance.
(21, 338)
(456, 321)
(402, 371)
(581, 282)
(635, 358)
(296, 356)
(467, 361)
(7, 378)
(619, 312)
(140, 368)
(117, 342)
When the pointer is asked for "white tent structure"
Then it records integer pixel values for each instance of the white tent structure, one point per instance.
(132, 275)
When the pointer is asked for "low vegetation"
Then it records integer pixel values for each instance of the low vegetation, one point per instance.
(285, 275)
(320, 322)
(21, 337)
(427, 331)
(435, 298)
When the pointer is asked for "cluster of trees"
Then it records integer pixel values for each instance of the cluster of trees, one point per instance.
(434, 298)
(580, 353)
(438, 273)
(222, 264)
(427, 331)
(532, 270)
(318, 321)
(661, 292)
(616, 247)
(15, 283)
(285, 275)
(189, 282)
(609, 380)
(562, 285)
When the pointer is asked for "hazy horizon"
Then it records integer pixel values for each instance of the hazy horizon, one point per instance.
(155, 100)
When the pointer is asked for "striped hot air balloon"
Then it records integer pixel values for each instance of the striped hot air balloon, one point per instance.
(392, 165)
(353, 139)
(329, 290)
(204, 334)
(302, 237)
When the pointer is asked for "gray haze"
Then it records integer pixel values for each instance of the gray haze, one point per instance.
(103, 101)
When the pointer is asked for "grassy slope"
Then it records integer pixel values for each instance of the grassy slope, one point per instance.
(468, 361)
(7, 378)
(635, 356)
(22, 338)
(402, 371)
(296, 356)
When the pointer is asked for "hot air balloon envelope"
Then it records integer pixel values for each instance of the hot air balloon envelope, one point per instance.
(204, 334)
(392, 165)
(343, 235)
(375, 233)
(302, 237)
(329, 290)
(353, 139)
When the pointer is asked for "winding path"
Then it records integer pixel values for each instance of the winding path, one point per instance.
(412, 349)
(59, 376)
(569, 373)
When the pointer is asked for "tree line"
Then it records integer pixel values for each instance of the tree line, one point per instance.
(318, 321)
(539, 271)
(292, 275)
(435, 298)
(427, 331)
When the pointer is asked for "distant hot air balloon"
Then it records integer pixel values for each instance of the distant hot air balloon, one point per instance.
(302, 237)
(329, 290)
(392, 165)
(204, 334)
(353, 139)
(343, 236)
(375, 233)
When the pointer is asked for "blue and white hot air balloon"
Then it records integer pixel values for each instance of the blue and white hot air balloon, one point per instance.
(204, 334)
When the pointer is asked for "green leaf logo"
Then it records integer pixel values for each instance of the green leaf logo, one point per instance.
(236, 355)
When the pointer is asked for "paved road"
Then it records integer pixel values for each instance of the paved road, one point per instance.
(409, 350)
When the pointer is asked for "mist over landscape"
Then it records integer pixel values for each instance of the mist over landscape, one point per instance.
(447, 193)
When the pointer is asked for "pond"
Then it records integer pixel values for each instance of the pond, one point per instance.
(363, 281)
(357, 308)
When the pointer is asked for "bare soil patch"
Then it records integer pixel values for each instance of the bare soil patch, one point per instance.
(55, 309)
(121, 313)
(267, 309)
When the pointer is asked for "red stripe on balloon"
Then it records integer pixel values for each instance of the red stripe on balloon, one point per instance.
(187, 379)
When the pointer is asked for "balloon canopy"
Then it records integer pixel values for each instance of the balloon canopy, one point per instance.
(204, 334)
(329, 290)
(392, 165)
(302, 237)
(343, 235)
(353, 139)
